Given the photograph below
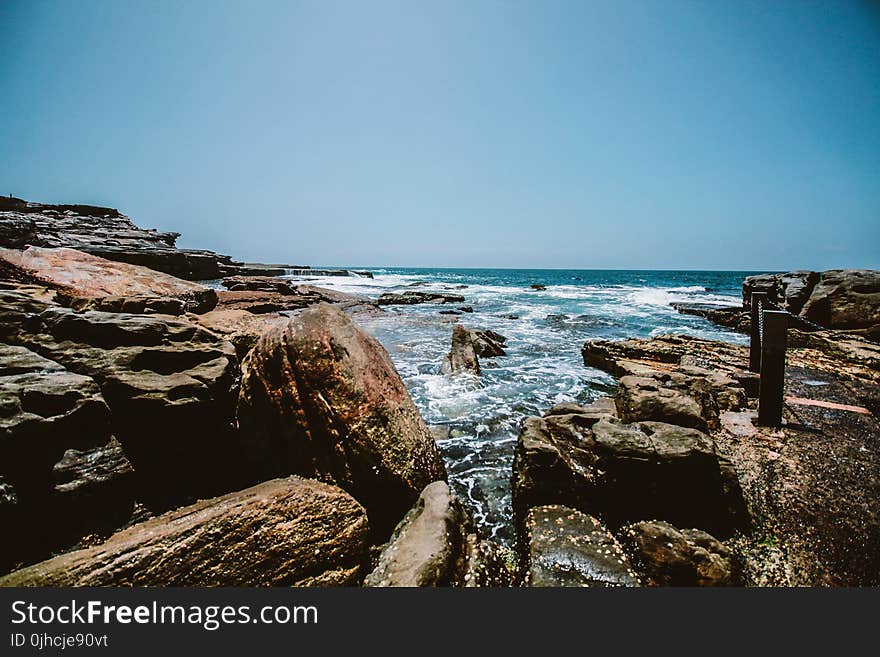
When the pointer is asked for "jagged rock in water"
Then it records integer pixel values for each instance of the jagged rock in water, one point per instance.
(667, 556)
(564, 547)
(79, 276)
(625, 472)
(285, 532)
(321, 398)
(467, 346)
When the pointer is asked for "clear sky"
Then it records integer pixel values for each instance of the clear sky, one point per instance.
(702, 135)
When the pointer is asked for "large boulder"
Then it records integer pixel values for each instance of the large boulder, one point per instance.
(170, 386)
(564, 547)
(321, 398)
(65, 474)
(789, 291)
(78, 275)
(691, 397)
(626, 472)
(667, 556)
(845, 299)
(285, 532)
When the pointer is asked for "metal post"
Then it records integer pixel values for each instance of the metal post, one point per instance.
(755, 343)
(772, 368)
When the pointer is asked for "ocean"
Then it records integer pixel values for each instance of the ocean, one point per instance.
(545, 331)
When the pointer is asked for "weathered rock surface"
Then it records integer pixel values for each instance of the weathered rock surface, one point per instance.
(412, 298)
(170, 386)
(107, 233)
(78, 275)
(285, 532)
(564, 547)
(846, 299)
(467, 346)
(292, 297)
(692, 397)
(66, 475)
(321, 398)
(666, 556)
(625, 472)
(429, 546)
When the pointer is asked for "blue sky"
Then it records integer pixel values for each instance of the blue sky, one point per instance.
(702, 135)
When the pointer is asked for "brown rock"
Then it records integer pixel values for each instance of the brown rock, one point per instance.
(321, 398)
(285, 532)
(564, 547)
(428, 545)
(78, 275)
(667, 556)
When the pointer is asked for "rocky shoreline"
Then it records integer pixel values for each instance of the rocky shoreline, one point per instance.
(159, 432)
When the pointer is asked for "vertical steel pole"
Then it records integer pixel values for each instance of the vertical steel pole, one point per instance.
(772, 368)
(755, 343)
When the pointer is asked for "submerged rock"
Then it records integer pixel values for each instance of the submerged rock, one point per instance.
(285, 532)
(77, 276)
(564, 547)
(666, 556)
(321, 398)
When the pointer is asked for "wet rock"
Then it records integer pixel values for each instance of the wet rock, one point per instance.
(466, 309)
(463, 355)
(285, 532)
(321, 398)
(625, 472)
(539, 288)
(564, 547)
(485, 564)
(467, 346)
(412, 298)
(667, 556)
(77, 275)
(429, 545)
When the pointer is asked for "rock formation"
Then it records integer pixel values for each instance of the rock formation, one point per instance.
(321, 398)
(75, 275)
(467, 346)
(564, 547)
(285, 532)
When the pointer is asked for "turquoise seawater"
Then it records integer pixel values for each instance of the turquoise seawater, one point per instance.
(545, 331)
